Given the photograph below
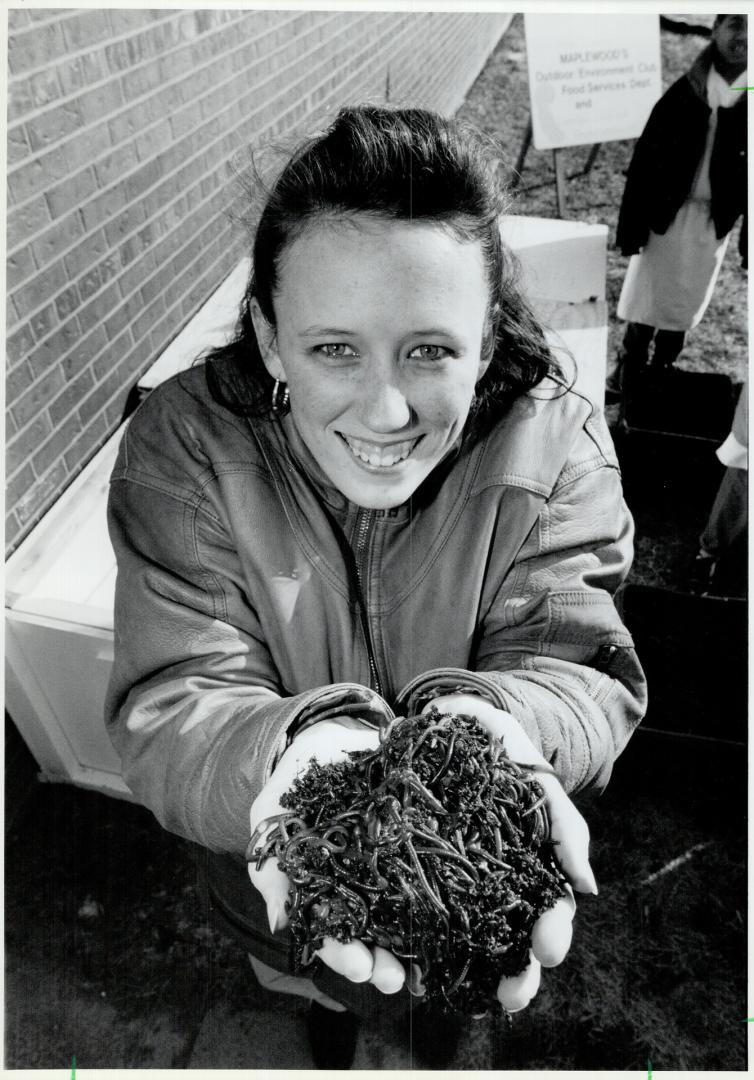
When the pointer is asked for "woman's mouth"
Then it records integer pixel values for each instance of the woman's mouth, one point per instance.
(378, 455)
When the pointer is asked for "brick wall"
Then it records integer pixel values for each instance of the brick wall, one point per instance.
(121, 124)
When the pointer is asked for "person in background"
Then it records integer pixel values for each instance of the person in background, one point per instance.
(720, 565)
(685, 189)
(381, 493)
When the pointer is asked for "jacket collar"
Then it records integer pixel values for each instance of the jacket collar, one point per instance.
(698, 72)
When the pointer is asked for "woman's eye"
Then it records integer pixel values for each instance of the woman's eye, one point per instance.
(335, 350)
(429, 352)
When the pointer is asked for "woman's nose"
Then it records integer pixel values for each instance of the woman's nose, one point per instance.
(385, 407)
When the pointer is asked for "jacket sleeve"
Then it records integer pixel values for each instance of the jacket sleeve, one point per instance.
(195, 707)
(553, 650)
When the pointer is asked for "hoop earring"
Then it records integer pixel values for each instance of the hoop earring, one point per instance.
(280, 397)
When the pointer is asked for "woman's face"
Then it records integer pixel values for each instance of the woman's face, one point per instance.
(379, 336)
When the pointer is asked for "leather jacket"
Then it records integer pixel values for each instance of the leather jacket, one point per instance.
(251, 598)
(666, 157)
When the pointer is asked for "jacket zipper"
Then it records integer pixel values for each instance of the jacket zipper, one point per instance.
(364, 521)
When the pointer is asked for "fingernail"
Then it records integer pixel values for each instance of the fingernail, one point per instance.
(275, 915)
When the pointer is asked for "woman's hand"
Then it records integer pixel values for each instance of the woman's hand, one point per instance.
(328, 742)
(551, 935)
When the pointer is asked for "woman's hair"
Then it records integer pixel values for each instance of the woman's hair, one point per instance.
(399, 165)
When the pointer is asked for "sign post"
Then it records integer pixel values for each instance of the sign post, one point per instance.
(592, 79)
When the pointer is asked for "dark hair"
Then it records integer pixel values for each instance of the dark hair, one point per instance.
(398, 164)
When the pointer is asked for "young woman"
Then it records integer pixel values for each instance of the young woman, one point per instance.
(379, 494)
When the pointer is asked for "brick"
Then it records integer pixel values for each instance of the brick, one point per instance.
(77, 72)
(33, 48)
(37, 397)
(45, 87)
(139, 81)
(17, 19)
(155, 42)
(85, 352)
(82, 149)
(19, 344)
(21, 448)
(153, 141)
(99, 308)
(13, 535)
(71, 193)
(54, 449)
(41, 494)
(104, 206)
(109, 359)
(184, 121)
(22, 222)
(58, 238)
(52, 351)
(117, 57)
(97, 103)
(153, 286)
(87, 444)
(37, 175)
(67, 302)
(19, 485)
(18, 145)
(125, 22)
(43, 322)
(19, 98)
(53, 125)
(109, 267)
(69, 399)
(122, 316)
(93, 248)
(130, 219)
(139, 269)
(89, 283)
(19, 267)
(87, 29)
(17, 382)
(131, 122)
(140, 326)
(113, 167)
(143, 179)
(136, 362)
(99, 398)
(114, 411)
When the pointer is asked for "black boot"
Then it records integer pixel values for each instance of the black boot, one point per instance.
(332, 1037)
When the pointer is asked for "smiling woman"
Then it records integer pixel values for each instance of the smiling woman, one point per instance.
(378, 495)
(378, 335)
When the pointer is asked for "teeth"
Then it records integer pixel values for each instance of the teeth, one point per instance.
(381, 457)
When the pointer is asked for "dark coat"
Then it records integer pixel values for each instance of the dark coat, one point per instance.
(666, 157)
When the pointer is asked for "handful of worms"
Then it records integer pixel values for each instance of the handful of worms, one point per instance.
(435, 845)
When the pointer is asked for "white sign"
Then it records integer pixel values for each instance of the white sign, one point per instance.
(592, 78)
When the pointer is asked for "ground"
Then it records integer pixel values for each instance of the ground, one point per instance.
(109, 955)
